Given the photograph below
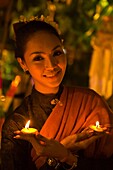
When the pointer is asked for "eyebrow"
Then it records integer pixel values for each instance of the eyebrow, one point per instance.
(40, 52)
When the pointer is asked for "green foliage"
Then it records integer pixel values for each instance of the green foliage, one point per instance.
(77, 21)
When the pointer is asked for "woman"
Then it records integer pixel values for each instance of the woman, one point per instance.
(62, 115)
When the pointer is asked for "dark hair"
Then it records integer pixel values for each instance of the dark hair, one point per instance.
(23, 32)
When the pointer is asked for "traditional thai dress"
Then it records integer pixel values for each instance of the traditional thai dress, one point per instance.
(76, 108)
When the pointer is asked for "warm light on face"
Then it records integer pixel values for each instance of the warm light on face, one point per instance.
(47, 62)
(27, 124)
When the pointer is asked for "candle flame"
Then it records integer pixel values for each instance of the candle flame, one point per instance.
(97, 124)
(27, 124)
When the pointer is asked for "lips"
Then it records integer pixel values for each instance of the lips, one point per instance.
(51, 74)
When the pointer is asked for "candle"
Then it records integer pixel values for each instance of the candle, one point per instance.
(97, 127)
(27, 129)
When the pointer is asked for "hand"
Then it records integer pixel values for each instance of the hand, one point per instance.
(81, 140)
(44, 146)
(25, 136)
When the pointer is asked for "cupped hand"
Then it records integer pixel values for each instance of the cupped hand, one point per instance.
(50, 147)
(24, 136)
(81, 140)
(44, 146)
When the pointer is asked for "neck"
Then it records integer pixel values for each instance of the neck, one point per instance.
(47, 90)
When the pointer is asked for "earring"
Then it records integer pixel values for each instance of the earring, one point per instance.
(24, 69)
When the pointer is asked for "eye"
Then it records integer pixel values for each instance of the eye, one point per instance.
(57, 53)
(38, 58)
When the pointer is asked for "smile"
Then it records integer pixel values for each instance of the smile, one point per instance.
(52, 74)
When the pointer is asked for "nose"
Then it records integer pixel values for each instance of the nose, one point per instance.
(50, 63)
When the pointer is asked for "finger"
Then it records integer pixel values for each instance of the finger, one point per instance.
(42, 138)
(84, 135)
(17, 132)
(84, 130)
(85, 143)
(21, 137)
(17, 136)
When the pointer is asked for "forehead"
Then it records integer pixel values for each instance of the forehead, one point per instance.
(42, 40)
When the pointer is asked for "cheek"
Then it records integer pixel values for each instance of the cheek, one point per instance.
(63, 62)
(36, 66)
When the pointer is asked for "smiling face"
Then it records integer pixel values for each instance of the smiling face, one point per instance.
(45, 60)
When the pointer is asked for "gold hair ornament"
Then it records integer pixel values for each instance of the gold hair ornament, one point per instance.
(47, 19)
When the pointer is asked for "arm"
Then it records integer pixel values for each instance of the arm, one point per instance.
(51, 148)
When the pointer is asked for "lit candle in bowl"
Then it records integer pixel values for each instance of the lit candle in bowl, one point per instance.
(97, 127)
(27, 129)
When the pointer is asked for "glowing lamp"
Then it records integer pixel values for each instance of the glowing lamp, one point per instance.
(28, 130)
(97, 127)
